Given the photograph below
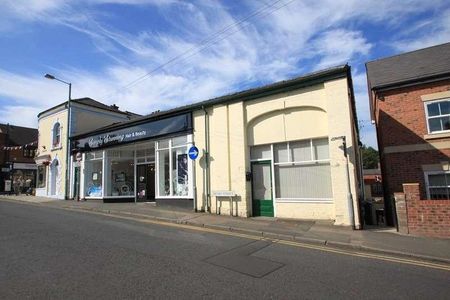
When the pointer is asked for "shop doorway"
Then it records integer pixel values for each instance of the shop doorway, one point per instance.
(76, 183)
(145, 176)
(262, 199)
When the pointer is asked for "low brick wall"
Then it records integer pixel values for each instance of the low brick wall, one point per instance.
(422, 217)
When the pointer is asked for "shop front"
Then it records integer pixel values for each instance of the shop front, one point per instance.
(142, 161)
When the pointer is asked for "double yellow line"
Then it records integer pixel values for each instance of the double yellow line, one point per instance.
(419, 263)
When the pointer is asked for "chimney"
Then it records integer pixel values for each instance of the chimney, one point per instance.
(114, 106)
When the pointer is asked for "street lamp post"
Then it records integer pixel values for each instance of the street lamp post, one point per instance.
(69, 118)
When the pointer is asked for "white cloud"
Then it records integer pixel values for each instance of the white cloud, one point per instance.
(266, 48)
(339, 46)
(433, 31)
(20, 115)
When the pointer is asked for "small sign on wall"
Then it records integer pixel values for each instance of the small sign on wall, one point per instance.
(7, 185)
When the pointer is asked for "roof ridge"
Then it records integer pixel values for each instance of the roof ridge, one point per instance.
(407, 52)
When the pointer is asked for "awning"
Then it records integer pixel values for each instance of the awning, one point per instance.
(43, 159)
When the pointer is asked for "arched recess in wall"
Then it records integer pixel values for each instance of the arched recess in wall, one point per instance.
(293, 123)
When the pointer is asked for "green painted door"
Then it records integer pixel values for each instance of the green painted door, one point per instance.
(262, 201)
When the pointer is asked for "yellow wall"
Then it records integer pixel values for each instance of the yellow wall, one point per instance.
(45, 127)
(84, 118)
(322, 110)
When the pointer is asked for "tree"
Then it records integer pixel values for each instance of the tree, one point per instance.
(370, 157)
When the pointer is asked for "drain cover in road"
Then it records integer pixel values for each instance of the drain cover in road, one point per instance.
(240, 260)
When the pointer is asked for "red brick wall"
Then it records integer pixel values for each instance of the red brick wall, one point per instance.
(406, 167)
(426, 217)
(401, 116)
(401, 120)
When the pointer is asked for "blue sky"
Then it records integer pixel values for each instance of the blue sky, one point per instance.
(101, 46)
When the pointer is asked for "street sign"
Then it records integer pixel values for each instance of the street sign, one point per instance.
(7, 185)
(193, 152)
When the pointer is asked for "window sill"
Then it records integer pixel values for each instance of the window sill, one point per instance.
(438, 135)
(56, 148)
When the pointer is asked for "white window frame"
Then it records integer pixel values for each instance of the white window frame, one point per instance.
(190, 168)
(105, 177)
(427, 183)
(313, 161)
(85, 159)
(59, 145)
(426, 103)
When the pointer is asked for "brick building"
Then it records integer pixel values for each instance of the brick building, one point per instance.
(17, 150)
(410, 104)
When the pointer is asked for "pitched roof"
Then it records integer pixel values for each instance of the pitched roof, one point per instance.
(19, 135)
(94, 103)
(250, 94)
(409, 67)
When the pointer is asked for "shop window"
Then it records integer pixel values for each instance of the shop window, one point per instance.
(438, 185)
(302, 170)
(120, 170)
(303, 181)
(56, 135)
(93, 174)
(438, 115)
(145, 155)
(180, 171)
(300, 151)
(41, 176)
(281, 153)
(163, 174)
(173, 168)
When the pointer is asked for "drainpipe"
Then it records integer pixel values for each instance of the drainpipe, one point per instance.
(349, 191)
(206, 184)
(361, 178)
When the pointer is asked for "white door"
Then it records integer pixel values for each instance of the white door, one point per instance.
(53, 177)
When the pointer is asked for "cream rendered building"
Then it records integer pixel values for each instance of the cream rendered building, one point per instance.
(272, 151)
(275, 151)
(86, 114)
(273, 147)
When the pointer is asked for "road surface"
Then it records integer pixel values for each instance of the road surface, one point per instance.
(52, 253)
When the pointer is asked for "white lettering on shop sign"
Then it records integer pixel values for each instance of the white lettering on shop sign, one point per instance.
(106, 139)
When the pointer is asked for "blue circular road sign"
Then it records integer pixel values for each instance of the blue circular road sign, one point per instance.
(193, 152)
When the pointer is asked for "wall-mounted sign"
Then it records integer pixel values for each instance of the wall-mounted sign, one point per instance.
(193, 152)
(7, 185)
(133, 133)
(25, 166)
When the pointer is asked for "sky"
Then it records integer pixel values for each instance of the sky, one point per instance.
(148, 55)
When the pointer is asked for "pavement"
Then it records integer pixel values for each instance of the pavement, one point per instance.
(378, 239)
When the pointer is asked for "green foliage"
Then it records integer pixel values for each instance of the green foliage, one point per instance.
(370, 157)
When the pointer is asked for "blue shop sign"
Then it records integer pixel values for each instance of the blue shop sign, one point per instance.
(143, 131)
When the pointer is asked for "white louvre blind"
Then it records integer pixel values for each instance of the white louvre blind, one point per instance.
(302, 170)
(303, 181)
(321, 149)
(280, 152)
(300, 151)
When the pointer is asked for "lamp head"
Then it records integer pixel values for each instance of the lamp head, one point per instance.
(48, 76)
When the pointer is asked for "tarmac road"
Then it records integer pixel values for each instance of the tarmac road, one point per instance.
(51, 253)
